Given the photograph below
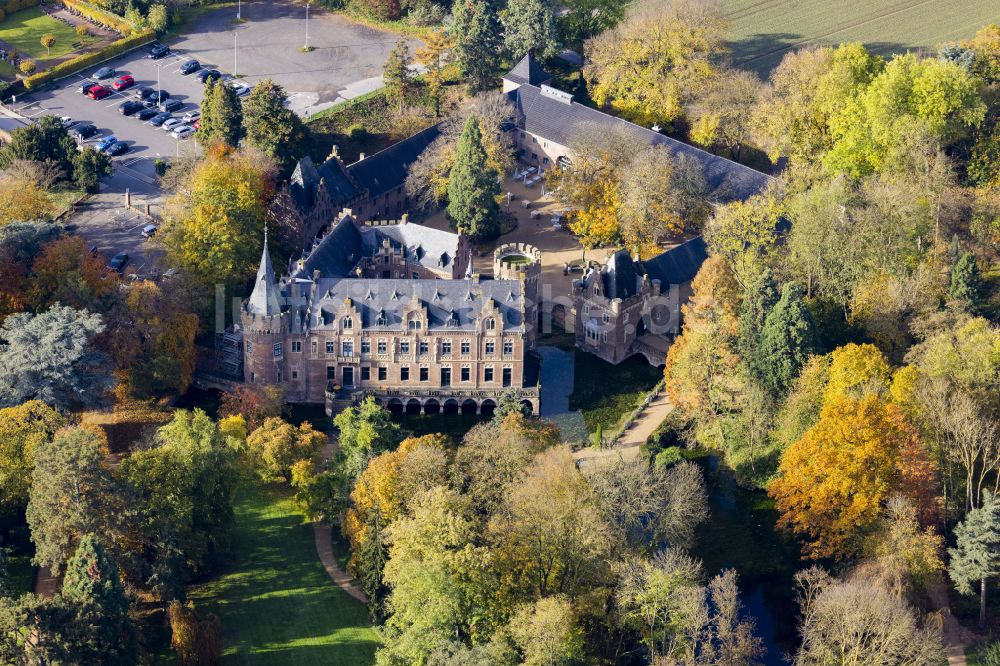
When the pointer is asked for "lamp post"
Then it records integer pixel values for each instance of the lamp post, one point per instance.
(239, 10)
(235, 71)
(306, 47)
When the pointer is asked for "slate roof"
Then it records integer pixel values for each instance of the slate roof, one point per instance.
(306, 178)
(530, 71)
(387, 169)
(620, 276)
(558, 121)
(336, 254)
(451, 304)
(677, 265)
(265, 299)
(432, 248)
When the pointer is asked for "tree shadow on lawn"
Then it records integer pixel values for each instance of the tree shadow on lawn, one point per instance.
(761, 53)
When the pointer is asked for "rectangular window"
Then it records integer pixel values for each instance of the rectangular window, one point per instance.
(249, 347)
(404, 346)
(347, 348)
(295, 374)
(466, 374)
(488, 374)
(424, 347)
(606, 317)
(404, 374)
(366, 373)
(297, 346)
(382, 346)
(330, 349)
(591, 333)
(315, 347)
(416, 275)
(445, 376)
(586, 309)
(425, 374)
(277, 350)
(331, 372)
(508, 347)
(382, 374)
(507, 374)
(366, 347)
(466, 346)
(491, 347)
(625, 318)
(446, 346)
(604, 336)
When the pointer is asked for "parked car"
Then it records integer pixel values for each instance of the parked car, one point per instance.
(182, 131)
(123, 82)
(148, 230)
(171, 123)
(104, 73)
(146, 114)
(83, 131)
(207, 74)
(143, 92)
(241, 89)
(197, 124)
(99, 92)
(130, 107)
(106, 141)
(87, 86)
(159, 119)
(172, 105)
(158, 50)
(190, 67)
(67, 122)
(118, 262)
(117, 148)
(191, 116)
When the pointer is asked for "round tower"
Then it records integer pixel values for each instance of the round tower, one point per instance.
(265, 328)
(522, 262)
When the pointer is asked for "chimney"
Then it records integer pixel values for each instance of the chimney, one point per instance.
(404, 218)
(361, 156)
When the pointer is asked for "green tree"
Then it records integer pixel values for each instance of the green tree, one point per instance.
(397, 77)
(221, 115)
(42, 141)
(276, 446)
(62, 632)
(73, 493)
(758, 299)
(89, 166)
(473, 187)
(476, 32)
(787, 340)
(158, 18)
(48, 40)
(270, 126)
(370, 561)
(967, 286)
(92, 579)
(365, 431)
(530, 26)
(52, 357)
(976, 555)
(548, 633)
(22, 429)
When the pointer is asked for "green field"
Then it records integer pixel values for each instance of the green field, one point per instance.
(764, 30)
(276, 602)
(22, 30)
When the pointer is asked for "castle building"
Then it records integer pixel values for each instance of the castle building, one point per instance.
(395, 311)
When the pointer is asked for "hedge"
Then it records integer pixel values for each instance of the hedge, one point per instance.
(74, 65)
(11, 6)
(101, 16)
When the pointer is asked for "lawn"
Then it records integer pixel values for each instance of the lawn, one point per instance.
(276, 602)
(763, 31)
(605, 393)
(25, 28)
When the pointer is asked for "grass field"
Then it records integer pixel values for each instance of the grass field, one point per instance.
(605, 393)
(764, 30)
(276, 602)
(23, 30)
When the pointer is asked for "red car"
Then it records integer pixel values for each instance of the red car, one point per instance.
(100, 92)
(123, 82)
(197, 124)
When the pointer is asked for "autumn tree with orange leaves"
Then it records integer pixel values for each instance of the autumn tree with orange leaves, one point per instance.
(833, 483)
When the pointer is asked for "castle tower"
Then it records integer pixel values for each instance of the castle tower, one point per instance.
(522, 262)
(265, 327)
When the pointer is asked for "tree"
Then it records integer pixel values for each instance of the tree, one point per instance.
(22, 430)
(22, 201)
(656, 60)
(276, 446)
(723, 113)
(976, 555)
(89, 166)
(270, 126)
(649, 207)
(197, 640)
(967, 287)
(67, 273)
(51, 357)
(759, 298)
(473, 187)
(44, 140)
(158, 18)
(476, 32)
(547, 633)
(397, 77)
(365, 431)
(48, 40)
(92, 579)
(222, 115)
(431, 56)
(253, 404)
(857, 371)
(745, 233)
(530, 27)
(20, 243)
(787, 341)
(901, 545)
(73, 493)
(832, 483)
(736, 644)
(28, 67)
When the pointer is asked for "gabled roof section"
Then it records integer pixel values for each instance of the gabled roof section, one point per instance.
(265, 299)
(336, 254)
(621, 276)
(387, 169)
(677, 265)
(303, 182)
(432, 248)
(529, 71)
(558, 120)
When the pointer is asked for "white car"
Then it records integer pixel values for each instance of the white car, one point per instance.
(67, 122)
(191, 116)
(170, 123)
(182, 131)
(241, 89)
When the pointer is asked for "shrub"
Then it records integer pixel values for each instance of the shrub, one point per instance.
(87, 59)
(82, 30)
(27, 66)
(357, 132)
(98, 15)
(160, 165)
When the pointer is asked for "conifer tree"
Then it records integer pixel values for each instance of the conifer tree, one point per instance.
(221, 115)
(372, 556)
(967, 283)
(758, 300)
(976, 555)
(530, 25)
(396, 75)
(473, 187)
(476, 31)
(787, 340)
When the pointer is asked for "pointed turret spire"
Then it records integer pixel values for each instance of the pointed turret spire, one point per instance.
(266, 297)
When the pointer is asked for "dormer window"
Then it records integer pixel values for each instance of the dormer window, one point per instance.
(381, 320)
(414, 324)
(491, 324)
(348, 323)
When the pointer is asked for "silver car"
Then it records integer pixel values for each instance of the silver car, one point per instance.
(169, 124)
(182, 131)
